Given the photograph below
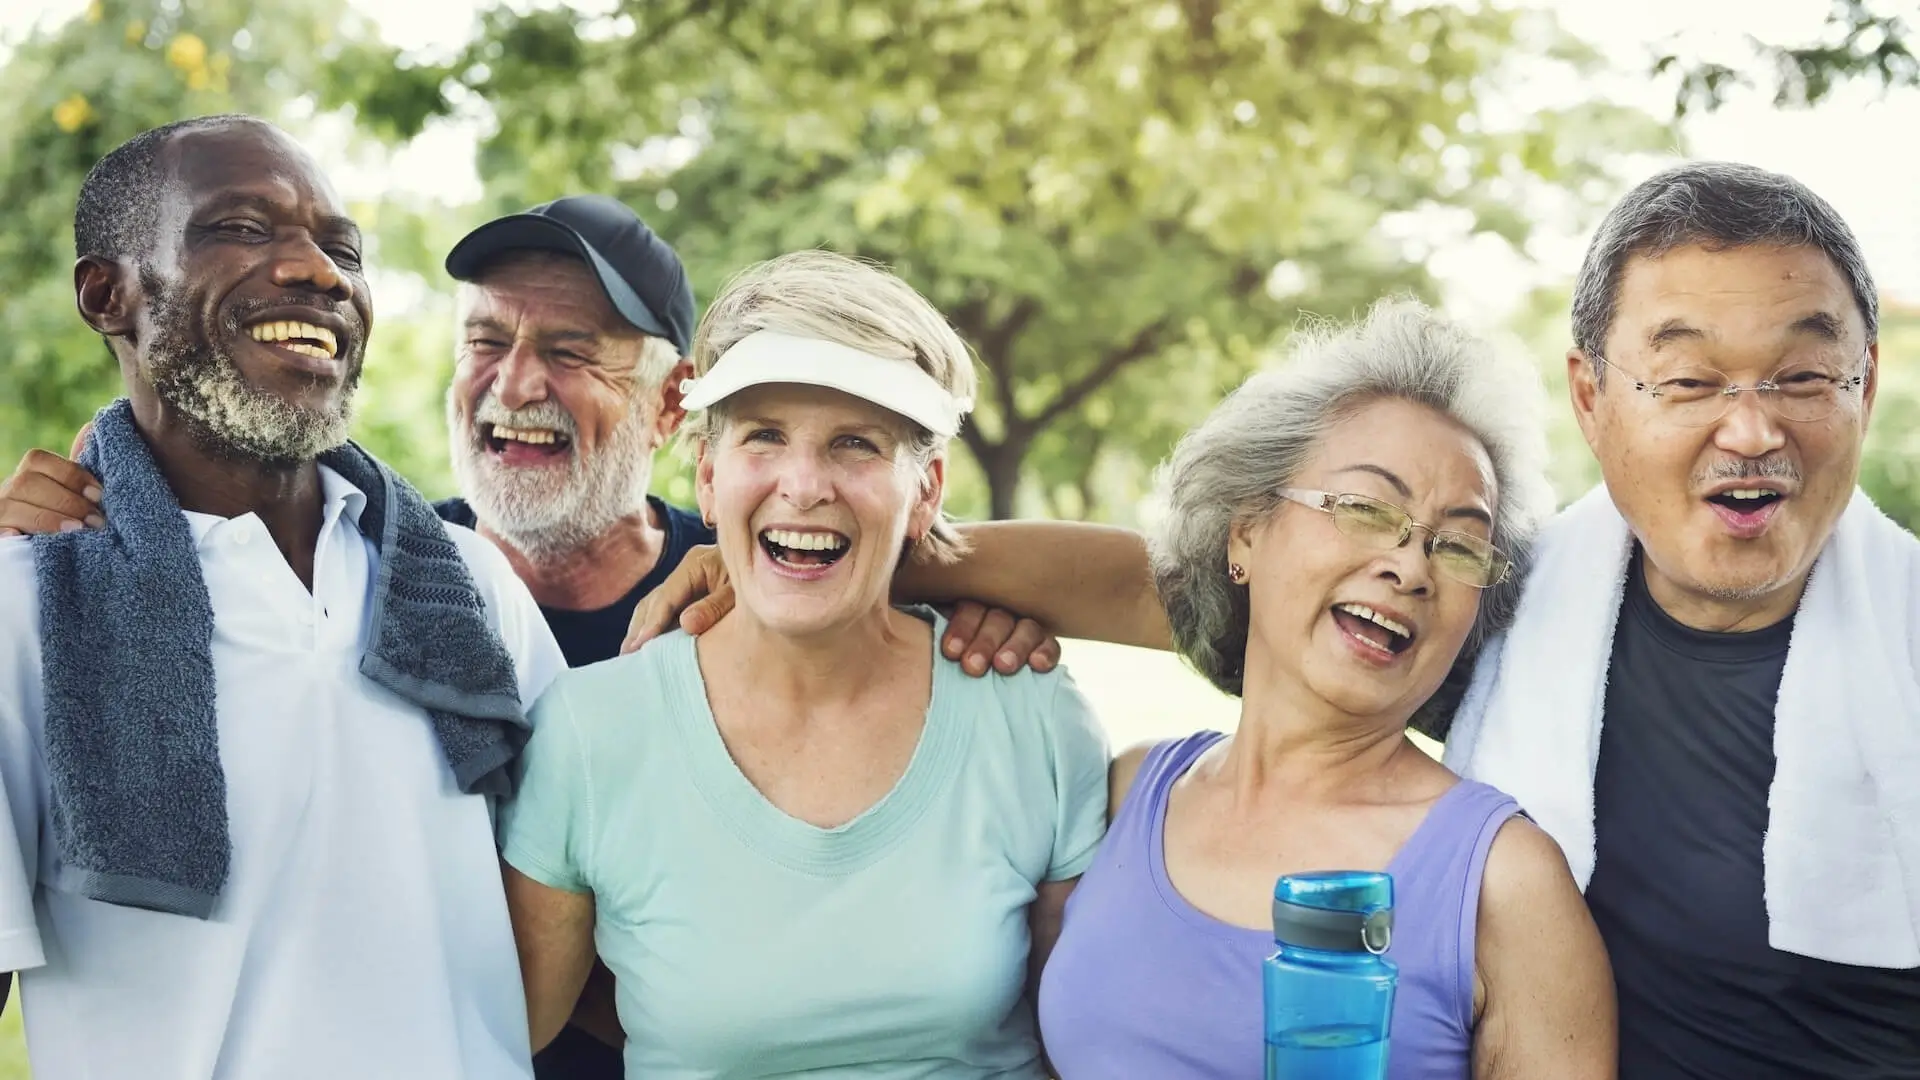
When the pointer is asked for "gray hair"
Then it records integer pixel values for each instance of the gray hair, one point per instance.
(831, 297)
(1717, 205)
(657, 360)
(1230, 469)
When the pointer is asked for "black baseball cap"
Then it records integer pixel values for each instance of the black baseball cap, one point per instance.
(641, 274)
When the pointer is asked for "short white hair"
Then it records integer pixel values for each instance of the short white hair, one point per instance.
(658, 358)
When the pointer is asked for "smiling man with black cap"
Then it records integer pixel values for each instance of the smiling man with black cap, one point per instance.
(573, 317)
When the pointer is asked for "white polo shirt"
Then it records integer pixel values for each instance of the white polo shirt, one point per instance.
(362, 931)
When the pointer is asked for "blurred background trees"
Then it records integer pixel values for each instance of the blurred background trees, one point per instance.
(1123, 206)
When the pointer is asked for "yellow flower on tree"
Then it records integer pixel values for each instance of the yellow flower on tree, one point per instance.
(73, 113)
(187, 52)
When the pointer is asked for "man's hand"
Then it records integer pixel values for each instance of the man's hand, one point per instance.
(48, 493)
(978, 634)
(697, 594)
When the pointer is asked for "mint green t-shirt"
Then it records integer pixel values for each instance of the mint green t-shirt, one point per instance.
(748, 943)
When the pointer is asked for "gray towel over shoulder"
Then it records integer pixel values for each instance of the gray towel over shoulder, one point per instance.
(139, 806)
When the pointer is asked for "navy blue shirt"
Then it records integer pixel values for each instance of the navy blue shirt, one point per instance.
(588, 637)
(1679, 885)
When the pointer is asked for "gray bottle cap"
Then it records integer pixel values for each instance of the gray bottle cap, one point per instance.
(1332, 931)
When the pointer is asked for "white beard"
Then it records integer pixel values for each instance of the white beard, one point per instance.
(235, 418)
(546, 513)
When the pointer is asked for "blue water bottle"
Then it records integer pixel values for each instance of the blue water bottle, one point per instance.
(1329, 991)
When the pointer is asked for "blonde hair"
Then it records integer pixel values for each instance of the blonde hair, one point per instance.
(830, 297)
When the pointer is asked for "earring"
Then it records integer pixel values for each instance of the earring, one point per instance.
(1236, 573)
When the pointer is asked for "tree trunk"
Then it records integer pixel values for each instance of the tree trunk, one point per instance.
(1001, 464)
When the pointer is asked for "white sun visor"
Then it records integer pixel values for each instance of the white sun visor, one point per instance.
(768, 356)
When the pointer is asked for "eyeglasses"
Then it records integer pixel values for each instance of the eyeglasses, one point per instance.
(1801, 392)
(1461, 556)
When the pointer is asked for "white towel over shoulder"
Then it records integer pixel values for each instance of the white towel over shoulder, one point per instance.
(1842, 849)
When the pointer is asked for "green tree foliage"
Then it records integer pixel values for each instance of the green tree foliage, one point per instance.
(1123, 206)
(1860, 39)
(1890, 471)
(1097, 192)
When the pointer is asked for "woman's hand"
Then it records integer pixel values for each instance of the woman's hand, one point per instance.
(699, 594)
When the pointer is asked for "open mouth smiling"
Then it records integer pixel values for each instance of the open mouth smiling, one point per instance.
(530, 441)
(1747, 509)
(1385, 634)
(1745, 500)
(306, 345)
(804, 549)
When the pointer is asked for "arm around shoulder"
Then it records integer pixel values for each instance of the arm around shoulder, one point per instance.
(1076, 579)
(1540, 968)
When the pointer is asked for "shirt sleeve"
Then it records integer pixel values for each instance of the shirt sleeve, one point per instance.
(1080, 758)
(546, 828)
(19, 934)
(19, 761)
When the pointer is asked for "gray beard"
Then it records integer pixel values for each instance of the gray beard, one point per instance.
(543, 518)
(232, 418)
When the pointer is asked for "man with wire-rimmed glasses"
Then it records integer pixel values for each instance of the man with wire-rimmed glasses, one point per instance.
(1709, 696)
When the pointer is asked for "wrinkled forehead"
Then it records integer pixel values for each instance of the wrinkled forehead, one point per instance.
(1763, 298)
(1408, 450)
(541, 291)
(247, 161)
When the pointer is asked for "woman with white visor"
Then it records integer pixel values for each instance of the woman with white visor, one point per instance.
(806, 842)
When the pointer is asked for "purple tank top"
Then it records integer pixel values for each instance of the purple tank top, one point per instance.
(1144, 984)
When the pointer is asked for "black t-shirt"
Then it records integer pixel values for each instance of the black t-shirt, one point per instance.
(588, 637)
(1678, 890)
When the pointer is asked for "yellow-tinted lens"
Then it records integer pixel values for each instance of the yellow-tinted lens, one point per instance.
(1367, 519)
(1468, 559)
